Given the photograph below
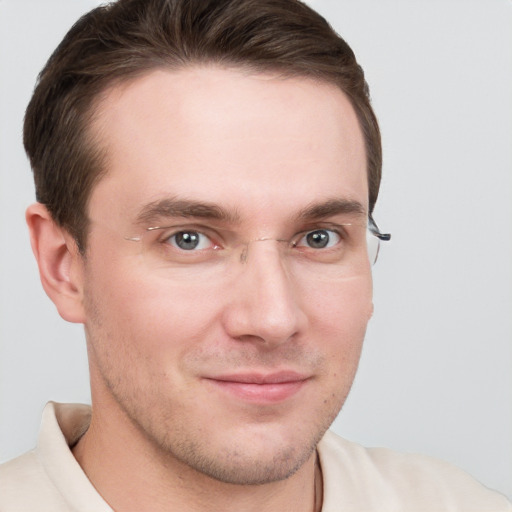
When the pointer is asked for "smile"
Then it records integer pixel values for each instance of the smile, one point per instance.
(260, 388)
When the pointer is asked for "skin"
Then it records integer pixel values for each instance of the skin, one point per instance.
(262, 148)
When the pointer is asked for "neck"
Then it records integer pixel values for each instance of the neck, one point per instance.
(132, 475)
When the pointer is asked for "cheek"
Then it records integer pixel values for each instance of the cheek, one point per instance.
(342, 308)
(338, 320)
(150, 317)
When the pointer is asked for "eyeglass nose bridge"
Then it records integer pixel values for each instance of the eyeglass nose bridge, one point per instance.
(245, 251)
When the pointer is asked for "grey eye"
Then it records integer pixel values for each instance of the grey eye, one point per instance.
(319, 239)
(189, 240)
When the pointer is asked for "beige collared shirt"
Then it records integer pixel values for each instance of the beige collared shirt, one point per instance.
(356, 479)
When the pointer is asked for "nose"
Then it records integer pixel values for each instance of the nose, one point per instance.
(264, 303)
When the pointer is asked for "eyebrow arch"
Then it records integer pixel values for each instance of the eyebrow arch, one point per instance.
(171, 207)
(332, 207)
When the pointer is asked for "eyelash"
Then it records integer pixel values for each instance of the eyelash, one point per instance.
(339, 233)
(190, 231)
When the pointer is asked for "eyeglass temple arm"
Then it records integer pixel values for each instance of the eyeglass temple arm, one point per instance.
(372, 226)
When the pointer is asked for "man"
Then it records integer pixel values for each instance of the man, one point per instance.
(205, 175)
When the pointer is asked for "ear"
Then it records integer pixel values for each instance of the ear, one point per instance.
(59, 261)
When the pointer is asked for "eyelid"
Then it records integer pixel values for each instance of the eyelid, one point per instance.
(339, 229)
(220, 239)
(301, 236)
(179, 228)
(168, 232)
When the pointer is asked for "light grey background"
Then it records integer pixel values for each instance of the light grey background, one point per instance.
(436, 371)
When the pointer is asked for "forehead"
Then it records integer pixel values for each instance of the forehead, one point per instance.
(226, 136)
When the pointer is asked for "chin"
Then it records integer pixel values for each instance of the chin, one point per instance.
(255, 455)
(233, 467)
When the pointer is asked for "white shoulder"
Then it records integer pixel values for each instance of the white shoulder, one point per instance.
(368, 479)
(25, 486)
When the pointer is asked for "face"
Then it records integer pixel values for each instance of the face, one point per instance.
(230, 357)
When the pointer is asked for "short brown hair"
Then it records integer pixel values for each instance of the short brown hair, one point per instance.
(122, 40)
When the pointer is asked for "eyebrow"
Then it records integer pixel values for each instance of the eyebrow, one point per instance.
(171, 207)
(332, 207)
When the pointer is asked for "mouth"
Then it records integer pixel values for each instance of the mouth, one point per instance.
(260, 387)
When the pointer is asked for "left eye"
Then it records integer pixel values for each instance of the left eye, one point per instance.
(189, 240)
(319, 239)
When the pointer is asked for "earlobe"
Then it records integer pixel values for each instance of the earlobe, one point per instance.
(59, 261)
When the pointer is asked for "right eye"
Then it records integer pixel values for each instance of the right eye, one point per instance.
(190, 241)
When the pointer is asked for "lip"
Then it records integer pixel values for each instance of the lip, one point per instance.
(260, 387)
